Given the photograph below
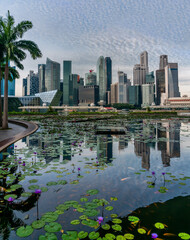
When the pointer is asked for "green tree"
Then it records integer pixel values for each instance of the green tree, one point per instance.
(14, 50)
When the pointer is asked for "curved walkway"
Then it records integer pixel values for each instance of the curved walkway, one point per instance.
(17, 130)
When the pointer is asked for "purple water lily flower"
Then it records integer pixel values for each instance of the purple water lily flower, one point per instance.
(24, 164)
(97, 162)
(38, 191)
(153, 173)
(19, 162)
(35, 152)
(154, 235)
(78, 169)
(100, 220)
(10, 199)
(163, 173)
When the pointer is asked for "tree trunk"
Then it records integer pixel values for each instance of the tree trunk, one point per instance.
(0, 99)
(5, 105)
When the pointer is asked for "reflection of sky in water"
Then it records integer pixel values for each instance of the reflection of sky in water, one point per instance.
(149, 145)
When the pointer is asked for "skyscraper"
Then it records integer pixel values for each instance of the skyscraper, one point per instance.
(114, 93)
(90, 78)
(74, 83)
(124, 83)
(52, 75)
(144, 60)
(171, 80)
(24, 87)
(101, 78)
(32, 83)
(67, 70)
(163, 61)
(139, 74)
(160, 85)
(41, 75)
(108, 72)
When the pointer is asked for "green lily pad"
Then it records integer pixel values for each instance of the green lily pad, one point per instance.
(44, 189)
(110, 236)
(116, 227)
(91, 212)
(33, 187)
(10, 195)
(106, 226)
(15, 186)
(24, 231)
(184, 235)
(50, 217)
(71, 203)
(90, 205)
(113, 215)
(84, 199)
(38, 224)
(117, 220)
(129, 236)
(75, 182)
(82, 234)
(26, 194)
(53, 227)
(71, 235)
(92, 191)
(93, 235)
(120, 237)
(75, 222)
(90, 223)
(62, 182)
(33, 180)
(62, 207)
(48, 236)
(113, 198)
(133, 219)
(159, 225)
(51, 183)
(109, 208)
(141, 230)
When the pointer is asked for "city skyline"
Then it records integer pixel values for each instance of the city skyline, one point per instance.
(82, 31)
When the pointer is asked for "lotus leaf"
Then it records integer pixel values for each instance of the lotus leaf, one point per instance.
(10, 195)
(90, 223)
(120, 237)
(84, 199)
(24, 231)
(113, 215)
(62, 182)
(50, 217)
(109, 208)
(44, 189)
(53, 227)
(90, 205)
(62, 207)
(71, 235)
(82, 234)
(71, 203)
(33, 181)
(79, 209)
(75, 222)
(26, 194)
(110, 236)
(38, 224)
(159, 225)
(184, 235)
(92, 191)
(106, 226)
(93, 235)
(15, 186)
(33, 187)
(113, 198)
(83, 217)
(48, 236)
(91, 212)
(116, 220)
(141, 230)
(116, 227)
(129, 236)
(133, 219)
(51, 183)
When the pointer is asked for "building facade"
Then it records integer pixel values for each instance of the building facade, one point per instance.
(135, 96)
(160, 85)
(90, 78)
(144, 60)
(114, 93)
(163, 61)
(100, 67)
(24, 87)
(41, 75)
(108, 72)
(88, 95)
(32, 83)
(139, 74)
(52, 75)
(67, 70)
(147, 95)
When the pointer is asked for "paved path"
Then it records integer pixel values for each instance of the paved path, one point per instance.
(18, 130)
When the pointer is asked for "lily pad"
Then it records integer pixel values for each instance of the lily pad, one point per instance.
(26, 194)
(183, 235)
(75, 222)
(116, 227)
(133, 219)
(110, 236)
(38, 224)
(51, 183)
(117, 220)
(15, 186)
(48, 236)
(159, 225)
(93, 235)
(33, 187)
(129, 236)
(44, 189)
(109, 208)
(91, 212)
(71, 235)
(84, 199)
(50, 217)
(92, 191)
(141, 230)
(10, 196)
(24, 231)
(82, 234)
(33, 181)
(62, 182)
(113, 215)
(90, 223)
(120, 237)
(53, 227)
(106, 226)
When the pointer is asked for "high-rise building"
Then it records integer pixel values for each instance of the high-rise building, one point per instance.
(171, 80)
(88, 95)
(52, 75)
(108, 72)
(160, 85)
(67, 70)
(144, 60)
(150, 78)
(41, 75)
(135, 95)
(147, 95)
(163, 61)
(32, 83)
(124, 83)
(139, 74)
(24, 87)
(100, 67)
(90, 78)
(114, 93)
(74, 83)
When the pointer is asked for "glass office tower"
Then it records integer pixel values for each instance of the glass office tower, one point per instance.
(101, 78)
(67, 69)
(52, 75)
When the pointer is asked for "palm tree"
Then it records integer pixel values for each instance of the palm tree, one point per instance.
(15, 51)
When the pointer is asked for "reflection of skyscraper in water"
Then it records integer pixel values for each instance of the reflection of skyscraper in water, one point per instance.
(105, 147)
(170, 147)
(123, 142)
(143, 150)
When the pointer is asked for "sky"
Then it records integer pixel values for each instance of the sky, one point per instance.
(83, 30)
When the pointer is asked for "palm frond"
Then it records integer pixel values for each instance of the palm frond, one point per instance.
(21, 28)
(30, 46)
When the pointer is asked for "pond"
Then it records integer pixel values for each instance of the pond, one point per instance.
(67, 182)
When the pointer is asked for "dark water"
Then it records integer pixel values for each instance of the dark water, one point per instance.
(117, 166)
